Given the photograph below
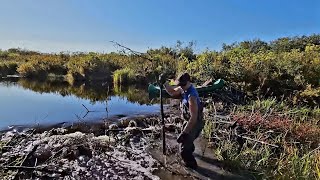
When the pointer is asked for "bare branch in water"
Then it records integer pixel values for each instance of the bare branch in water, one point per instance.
(86, 108)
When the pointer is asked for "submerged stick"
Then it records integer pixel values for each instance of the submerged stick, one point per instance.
(86, 108)
(88, 111)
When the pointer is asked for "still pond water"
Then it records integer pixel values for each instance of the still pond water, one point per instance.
(28, 103)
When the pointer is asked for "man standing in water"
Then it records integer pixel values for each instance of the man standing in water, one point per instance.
(191, 108)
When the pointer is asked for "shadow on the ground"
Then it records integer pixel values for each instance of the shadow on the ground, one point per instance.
(243, 174)
(209, 160)
(214, 175)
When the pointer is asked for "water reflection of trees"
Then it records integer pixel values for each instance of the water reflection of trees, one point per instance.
(133, 93)
(95, 92)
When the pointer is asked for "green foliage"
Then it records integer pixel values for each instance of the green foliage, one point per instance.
(311, 95)
(8, 68)
(132, 93)
(207, 65)
(278, 68)
(290, 165)
(186, 51)
(88, 66)
(296, 113)
(286, 44)
(293, 165)
(93, 92)
(294, 130)
(286, 66)
(41, 65)
(123, 76)
(253, 46)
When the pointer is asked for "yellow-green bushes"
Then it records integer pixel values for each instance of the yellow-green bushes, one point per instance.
(122, 76)
(8, 67)
(88, 67)
(41, 65)
(277, 68)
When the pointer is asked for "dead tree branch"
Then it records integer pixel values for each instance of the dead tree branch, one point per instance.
(86, 108)
(139, 54)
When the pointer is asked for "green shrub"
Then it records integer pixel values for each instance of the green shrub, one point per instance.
(8, 67)
(40, 65)
(123, 76)
(88, 67)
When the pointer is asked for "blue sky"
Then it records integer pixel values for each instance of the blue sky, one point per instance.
(83, 25)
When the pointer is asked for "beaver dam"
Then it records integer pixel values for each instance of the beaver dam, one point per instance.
(128, 148)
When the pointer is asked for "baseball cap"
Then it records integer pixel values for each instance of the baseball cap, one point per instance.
(182, 79)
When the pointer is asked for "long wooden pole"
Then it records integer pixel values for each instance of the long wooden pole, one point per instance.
(161, 87)
(163, 124)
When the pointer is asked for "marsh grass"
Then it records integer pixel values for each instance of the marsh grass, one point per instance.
(293, 129)
(123, 76)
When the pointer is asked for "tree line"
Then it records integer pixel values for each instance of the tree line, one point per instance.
(285, 66)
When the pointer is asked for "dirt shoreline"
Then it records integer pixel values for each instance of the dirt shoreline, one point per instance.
(123, 148)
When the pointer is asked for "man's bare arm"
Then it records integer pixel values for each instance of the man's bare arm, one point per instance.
(193, 108)
(173, 91)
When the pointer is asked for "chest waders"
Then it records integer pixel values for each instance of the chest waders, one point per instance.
(187, 146)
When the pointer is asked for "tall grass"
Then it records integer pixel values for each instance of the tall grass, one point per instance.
(295, 130)
(300, 113)
(123, 76)
(264, 162)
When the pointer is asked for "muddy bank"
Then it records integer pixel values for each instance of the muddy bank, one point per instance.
(171, 165)
(82, 151)
(123, 148)
(74, 156)
(110, 149)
